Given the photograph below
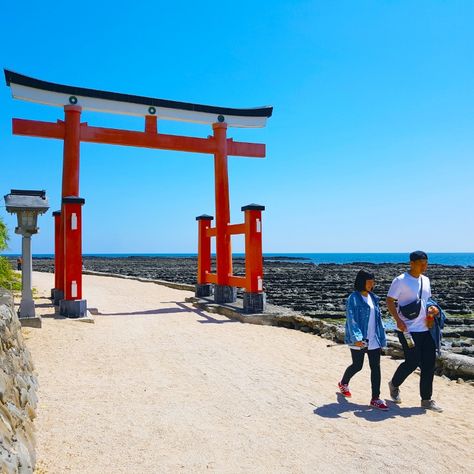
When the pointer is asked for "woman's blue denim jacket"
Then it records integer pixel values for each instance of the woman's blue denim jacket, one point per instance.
(357, 319)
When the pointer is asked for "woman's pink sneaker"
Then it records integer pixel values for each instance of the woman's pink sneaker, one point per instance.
(378, 403)
(344, 389)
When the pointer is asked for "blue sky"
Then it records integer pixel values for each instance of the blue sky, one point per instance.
(370, 147)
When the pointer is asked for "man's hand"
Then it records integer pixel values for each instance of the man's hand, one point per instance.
(401, 325)
(359, 343)
(393, 311)
(432, 311)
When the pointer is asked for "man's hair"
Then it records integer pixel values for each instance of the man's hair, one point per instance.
(418, 255)
(362, 278)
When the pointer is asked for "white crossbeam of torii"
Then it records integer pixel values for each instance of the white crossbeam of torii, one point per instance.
(49, 93)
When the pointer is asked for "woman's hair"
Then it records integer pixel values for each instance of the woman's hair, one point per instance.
(361, 278)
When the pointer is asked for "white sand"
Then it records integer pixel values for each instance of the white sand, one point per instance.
(155, 386)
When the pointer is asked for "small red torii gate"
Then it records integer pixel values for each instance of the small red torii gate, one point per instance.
(68, 222)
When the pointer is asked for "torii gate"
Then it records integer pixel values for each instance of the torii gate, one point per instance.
(68, 221)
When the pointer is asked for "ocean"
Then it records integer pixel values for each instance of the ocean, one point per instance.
(461, 259)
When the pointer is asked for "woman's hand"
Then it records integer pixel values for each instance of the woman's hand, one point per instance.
(359, 343)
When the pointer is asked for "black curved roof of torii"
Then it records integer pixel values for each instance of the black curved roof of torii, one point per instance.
(20, 79)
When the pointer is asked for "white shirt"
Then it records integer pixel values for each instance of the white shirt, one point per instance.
(373, 344)
(406, 289)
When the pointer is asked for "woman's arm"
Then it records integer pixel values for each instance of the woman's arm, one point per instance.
(352, 327)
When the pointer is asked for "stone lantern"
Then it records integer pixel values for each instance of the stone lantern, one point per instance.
(27, 205)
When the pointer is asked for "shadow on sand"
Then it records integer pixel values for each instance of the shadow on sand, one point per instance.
(206, 318)
(181, 308)
(343, 405)
(95, 311)
(52, 314)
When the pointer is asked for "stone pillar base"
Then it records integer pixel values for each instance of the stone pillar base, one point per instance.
(255, 302)
(34, 322)
(225, 294)
(203, 290)
(73, 308)
(57, 296)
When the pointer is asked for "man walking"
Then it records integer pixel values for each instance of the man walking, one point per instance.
(412, 290)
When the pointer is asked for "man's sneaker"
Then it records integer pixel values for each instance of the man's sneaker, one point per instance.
(431, 405)
(344, 389)
(394, 392)
(378, 403)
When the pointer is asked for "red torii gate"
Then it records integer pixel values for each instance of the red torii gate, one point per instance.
(68, 221)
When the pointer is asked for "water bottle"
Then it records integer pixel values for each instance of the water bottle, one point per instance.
(409, 339)
(429, 320)
(430, 315)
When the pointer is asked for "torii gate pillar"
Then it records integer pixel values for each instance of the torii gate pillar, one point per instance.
(70, 231)
(223, 292)
(56, 293)
(72, 306)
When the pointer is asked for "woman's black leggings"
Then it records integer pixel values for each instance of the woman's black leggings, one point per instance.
(358, 363)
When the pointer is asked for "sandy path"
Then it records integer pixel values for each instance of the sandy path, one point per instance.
(156, 386)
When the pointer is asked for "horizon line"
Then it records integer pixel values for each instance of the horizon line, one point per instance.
(243, 253)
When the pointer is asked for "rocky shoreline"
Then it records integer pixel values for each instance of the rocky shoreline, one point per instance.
(318, 291)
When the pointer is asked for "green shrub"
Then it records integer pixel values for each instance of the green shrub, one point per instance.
(3, 235)
(8, 279)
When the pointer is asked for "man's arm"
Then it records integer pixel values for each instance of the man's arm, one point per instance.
(393, 311)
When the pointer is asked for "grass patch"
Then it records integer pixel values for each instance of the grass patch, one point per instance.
(8, 278)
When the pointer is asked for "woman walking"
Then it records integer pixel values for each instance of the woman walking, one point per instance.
(364, 334)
